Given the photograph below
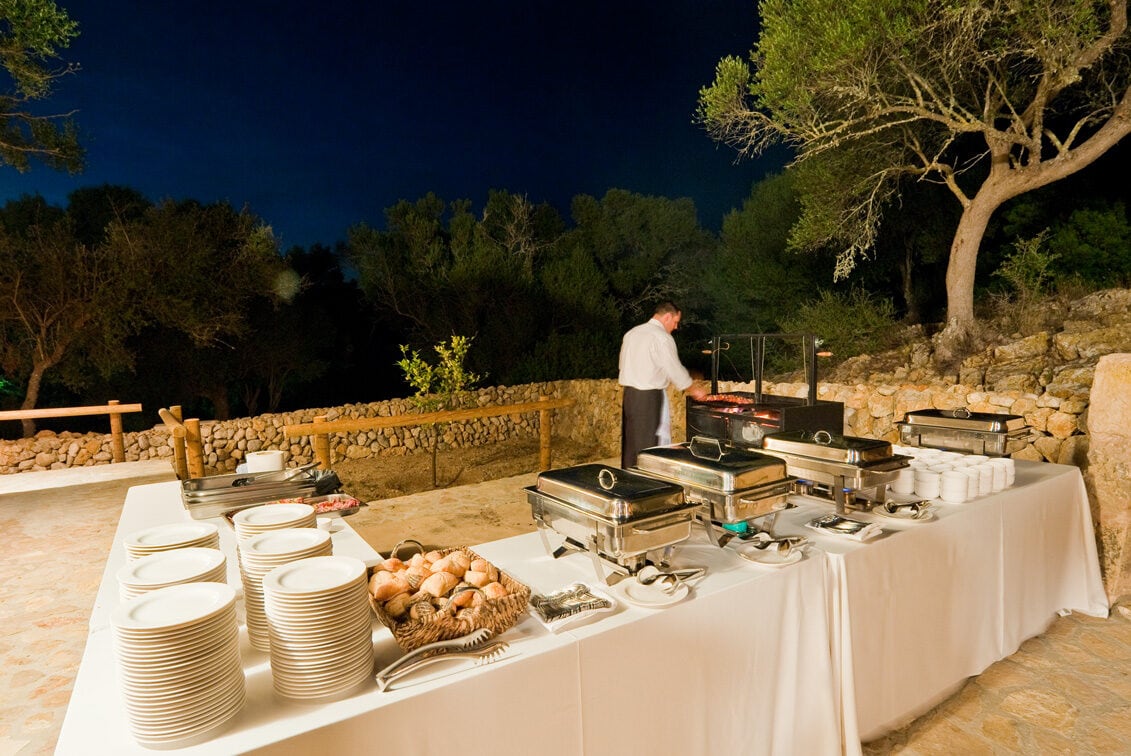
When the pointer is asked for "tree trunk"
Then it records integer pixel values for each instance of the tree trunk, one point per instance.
(952, 343)
(908, 284)
(31, 398)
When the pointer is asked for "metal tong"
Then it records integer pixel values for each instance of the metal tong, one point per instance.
(250, 478)
(471, 641)
(915, 507)
(479, 654)
(781, 544)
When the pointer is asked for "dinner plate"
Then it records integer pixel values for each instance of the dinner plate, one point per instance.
(176, 606)
(649, 595)
(323, 574)
(267, 515)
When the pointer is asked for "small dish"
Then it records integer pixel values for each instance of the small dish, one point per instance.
(650, 596)
(769, 558)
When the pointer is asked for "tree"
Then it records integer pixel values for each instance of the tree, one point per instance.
(31, 34)
(992, 99)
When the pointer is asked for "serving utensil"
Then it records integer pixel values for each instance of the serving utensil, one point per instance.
(469, 642)
(480, 656)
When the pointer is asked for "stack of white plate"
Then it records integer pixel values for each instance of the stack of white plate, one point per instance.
(165, 568)
(256, 520)
(178, 661)
(175, 535)
(321, 627)
(262, 553)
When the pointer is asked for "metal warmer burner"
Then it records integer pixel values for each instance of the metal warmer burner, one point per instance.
(845, 468)
(614, 515)
(743, 418)
(733, 487)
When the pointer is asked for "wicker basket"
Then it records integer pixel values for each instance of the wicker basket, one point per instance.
(498, 615)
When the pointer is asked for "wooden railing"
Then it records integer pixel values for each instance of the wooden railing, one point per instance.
(188, 449)
(113, 408)
(321, 428)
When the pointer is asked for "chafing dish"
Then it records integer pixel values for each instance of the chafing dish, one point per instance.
(218, 495)
(732, 486)
(615, 515)
(995, 435)
(844, 467)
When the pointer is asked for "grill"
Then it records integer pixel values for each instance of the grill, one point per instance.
(851, 471)
(616, 516)
(743, 418)
(962, 430)
(731, 486)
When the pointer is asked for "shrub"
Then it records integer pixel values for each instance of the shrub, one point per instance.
(852, 323)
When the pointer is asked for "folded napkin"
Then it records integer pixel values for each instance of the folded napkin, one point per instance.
(845, 527)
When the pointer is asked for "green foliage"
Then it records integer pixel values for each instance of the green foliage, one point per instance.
(440, 384)
(1028, 269)
(1095, 245)
(849, 324)
(32, 32)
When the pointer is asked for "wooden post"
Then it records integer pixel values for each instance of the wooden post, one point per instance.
(320, 443)
(117, 442)
(180, 464)
(194, 449)
(544, 436)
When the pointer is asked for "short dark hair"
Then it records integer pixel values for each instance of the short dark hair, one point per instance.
(664, 308)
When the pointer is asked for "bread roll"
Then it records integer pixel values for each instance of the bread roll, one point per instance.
(450, 564)
(478, 579)
(463, 598)
(397, 607)
(392, 564)
(421, 609)
(387, 589)
(439, 583)
(482, 565)
(461, 560)
(416, 560)
(433, 556)
(494, 590)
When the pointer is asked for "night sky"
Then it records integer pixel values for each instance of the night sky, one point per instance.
(318, 116)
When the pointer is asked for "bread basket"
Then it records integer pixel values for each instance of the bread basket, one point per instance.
(495, 614)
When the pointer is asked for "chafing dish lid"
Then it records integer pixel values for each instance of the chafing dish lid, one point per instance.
(822, 444)
(706, 463)
(964, 419)
(610, 492)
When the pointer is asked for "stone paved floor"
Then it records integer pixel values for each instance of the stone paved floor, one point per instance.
(1067, 691)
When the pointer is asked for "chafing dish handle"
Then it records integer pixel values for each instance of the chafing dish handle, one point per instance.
(704, 447)
(661, 526)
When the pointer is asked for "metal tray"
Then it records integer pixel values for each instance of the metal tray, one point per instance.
(609, 492)
(964, 419)
(706, 463)
(823, 445)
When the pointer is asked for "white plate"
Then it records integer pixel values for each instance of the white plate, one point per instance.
(167, 567)
(285, 541)
(171, 534)
(272, 514)
(648, 595)
(769, 558)
(174, 607)
(324, 574)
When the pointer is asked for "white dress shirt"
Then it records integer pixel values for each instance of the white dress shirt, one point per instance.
(648, 359)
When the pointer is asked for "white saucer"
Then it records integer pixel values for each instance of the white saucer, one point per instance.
(768, 558)
(904, 515)
(649, 595)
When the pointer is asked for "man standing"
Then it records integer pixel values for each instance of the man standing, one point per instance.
(648, 363)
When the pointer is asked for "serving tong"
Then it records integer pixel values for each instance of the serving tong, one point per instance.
(479, 654)
(473, 641)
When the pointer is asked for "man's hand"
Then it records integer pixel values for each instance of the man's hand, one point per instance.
(696, 390)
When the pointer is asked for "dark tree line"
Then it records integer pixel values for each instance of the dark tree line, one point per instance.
(114, 296)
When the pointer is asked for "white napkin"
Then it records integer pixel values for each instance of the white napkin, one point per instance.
(845, 527)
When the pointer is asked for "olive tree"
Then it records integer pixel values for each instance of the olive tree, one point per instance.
(32, 32)
(991, 98)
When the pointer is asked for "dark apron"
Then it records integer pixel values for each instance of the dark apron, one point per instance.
(640, 421)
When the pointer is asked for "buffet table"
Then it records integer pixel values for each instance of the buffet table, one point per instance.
(926, 605)
(740, 666)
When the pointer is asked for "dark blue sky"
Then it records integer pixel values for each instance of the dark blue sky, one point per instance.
(318, 116)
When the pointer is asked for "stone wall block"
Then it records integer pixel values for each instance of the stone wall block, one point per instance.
(1061, 425)
(1049, 447)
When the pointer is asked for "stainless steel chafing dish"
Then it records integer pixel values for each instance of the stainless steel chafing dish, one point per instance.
(732, 486)
(965, 431)
(615, 515)
(847, 467)
(217, 495)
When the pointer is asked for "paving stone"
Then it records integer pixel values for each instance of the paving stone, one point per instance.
(1002, 731)
(1041, 707)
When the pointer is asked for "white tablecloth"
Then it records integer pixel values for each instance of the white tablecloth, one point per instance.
(926, 605)
(740, 667)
